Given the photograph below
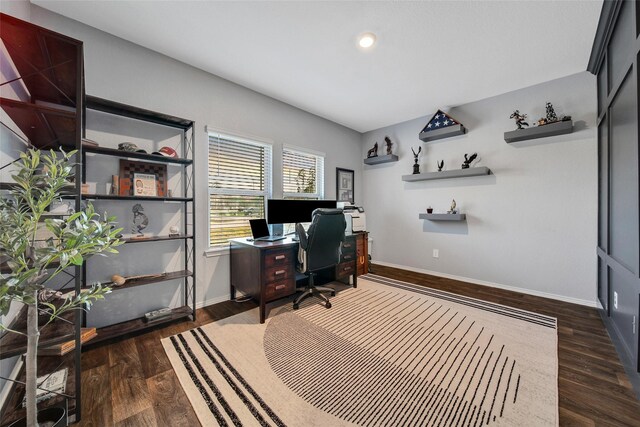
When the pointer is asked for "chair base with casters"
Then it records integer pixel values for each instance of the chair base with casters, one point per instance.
(315, 291)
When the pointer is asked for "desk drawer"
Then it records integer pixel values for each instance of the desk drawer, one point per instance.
(278, 257)
(347, 257)
(349, 246)
(278, 273)
(345, 269)
(279, 289)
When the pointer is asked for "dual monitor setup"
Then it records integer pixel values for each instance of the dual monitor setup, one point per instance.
(280, 211)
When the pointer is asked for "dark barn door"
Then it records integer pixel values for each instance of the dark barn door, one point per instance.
(614, 60)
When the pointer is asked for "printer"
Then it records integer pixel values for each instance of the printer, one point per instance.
(355, 217)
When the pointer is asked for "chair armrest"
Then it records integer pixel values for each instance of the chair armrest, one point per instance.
(302, 236)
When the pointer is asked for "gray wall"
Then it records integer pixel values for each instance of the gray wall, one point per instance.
(531, 225)
(121, 71)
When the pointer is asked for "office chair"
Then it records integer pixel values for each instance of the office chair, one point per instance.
(319, 248)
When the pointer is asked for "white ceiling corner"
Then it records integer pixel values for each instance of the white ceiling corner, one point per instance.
(428, 53)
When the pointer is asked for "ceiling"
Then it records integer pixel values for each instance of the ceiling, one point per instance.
(429, 54)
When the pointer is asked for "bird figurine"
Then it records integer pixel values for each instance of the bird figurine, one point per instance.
(453, 207)
(387, 141)
(140, 220)
(440, 165)
(467, 161)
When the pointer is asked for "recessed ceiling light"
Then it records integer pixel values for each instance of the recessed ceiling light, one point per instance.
(367, 40)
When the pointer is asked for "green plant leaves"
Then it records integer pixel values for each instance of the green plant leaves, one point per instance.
(32, 262)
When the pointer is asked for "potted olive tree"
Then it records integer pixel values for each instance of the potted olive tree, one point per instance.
(32, 263)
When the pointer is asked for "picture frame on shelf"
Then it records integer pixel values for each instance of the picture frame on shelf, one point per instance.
(345, 185)
(145, 184)
(150, 173)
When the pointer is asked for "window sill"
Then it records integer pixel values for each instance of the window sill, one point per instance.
(216, 252)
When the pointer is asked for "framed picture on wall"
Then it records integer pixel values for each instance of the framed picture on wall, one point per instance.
(344, 185)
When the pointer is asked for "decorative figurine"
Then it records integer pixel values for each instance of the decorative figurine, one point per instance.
(373, 152)
(453, 210)
(429, 210)
(174, 230)
(551, 114)
(387, 140)
(519, 118)
(416, 166)
(115, 184)
(467, 161)
(140, 220)
(440, 165)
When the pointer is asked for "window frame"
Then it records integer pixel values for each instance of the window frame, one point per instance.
(320, 176)
(266, 193)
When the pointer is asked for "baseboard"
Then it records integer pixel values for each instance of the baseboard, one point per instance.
(8, 385)
(490, 284)
(206, 303)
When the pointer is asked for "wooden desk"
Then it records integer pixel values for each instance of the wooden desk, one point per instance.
(266, 271)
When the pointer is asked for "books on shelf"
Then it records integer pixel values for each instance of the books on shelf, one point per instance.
(61, 349)
(50, 385)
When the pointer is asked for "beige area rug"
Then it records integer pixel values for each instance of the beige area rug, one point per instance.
(387, 353)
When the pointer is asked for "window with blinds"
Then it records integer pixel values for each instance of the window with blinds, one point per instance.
(239, 185)
(302, 174)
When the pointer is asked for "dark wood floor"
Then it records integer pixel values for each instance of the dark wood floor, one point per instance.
(131, 383)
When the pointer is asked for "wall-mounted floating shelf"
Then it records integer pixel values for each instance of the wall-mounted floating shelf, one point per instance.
(443, 217)
(458, 173)
(381, 159)
(553, 129)
(447, 132)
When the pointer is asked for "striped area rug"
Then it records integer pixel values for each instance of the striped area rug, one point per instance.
(388, 353)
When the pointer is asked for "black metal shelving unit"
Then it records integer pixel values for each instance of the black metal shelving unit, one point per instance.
(187, 200)
(48, 70)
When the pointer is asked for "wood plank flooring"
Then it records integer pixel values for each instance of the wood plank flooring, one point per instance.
(130, 382)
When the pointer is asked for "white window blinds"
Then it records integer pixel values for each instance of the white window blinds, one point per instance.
(302, 174)
(239, 185)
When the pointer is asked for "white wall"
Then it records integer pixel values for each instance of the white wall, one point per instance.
(531, 225)
(121, 71)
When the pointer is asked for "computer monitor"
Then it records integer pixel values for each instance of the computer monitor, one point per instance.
(280, 211)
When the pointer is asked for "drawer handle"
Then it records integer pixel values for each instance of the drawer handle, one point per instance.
(347, 256)
(280, 257)
(347, 268)
(280, 287)
(346, 245)
(279, 272)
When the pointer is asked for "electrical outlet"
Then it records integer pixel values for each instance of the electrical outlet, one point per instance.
(436, 253)
(615, 300)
